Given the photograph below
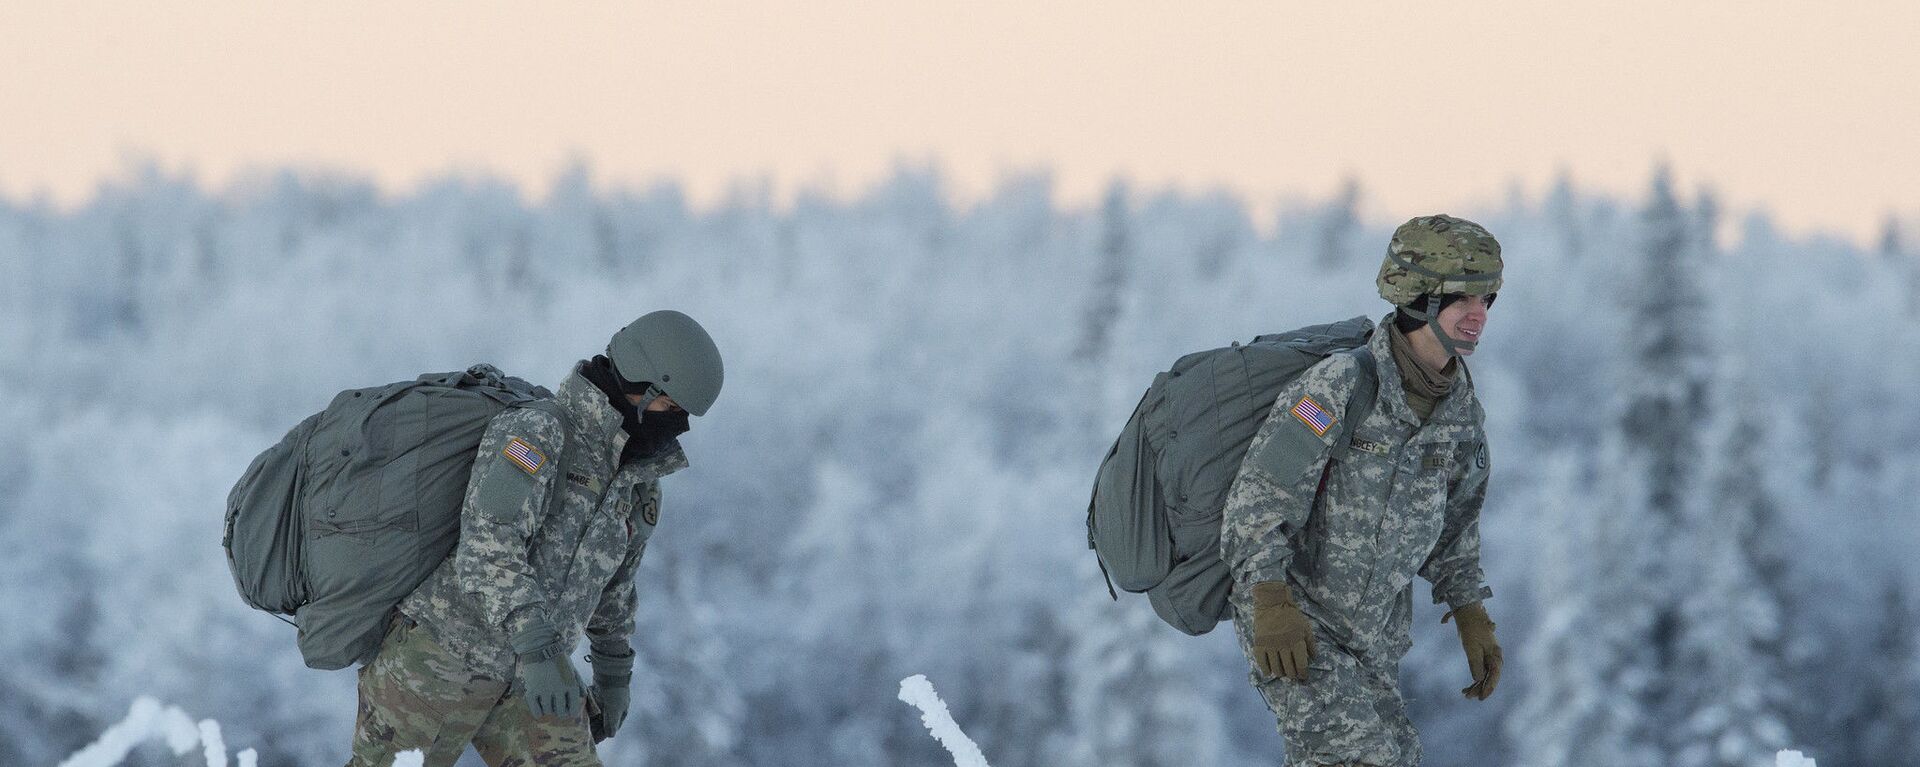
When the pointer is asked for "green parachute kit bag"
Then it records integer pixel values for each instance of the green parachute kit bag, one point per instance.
(1154, 520)
(359, 503)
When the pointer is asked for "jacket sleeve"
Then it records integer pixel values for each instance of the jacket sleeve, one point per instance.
(1273, 492)
(1454, 565)
(507, 500)
(611, 627)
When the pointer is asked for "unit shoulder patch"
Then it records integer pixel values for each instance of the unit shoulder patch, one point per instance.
(525, 456)
(1313, 415)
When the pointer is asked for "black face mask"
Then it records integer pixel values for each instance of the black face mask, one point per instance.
(647, 433)
(655, 431)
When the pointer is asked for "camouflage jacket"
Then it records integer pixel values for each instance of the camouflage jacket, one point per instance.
(551, 528)
(1348, 535)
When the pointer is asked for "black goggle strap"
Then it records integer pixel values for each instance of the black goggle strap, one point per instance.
(646, 388)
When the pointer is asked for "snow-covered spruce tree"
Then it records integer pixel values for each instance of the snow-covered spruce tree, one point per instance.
(51, 688)
(1131, 695)
(1731, 648)
(1883, 728)
(1135, 697)
(1734, 692)
(1333, 244)
(1562, 718)
(1621, 615)
(1667, 408)
(687, 706)
(1104, 306)
(1562, 207)
(1891, 246)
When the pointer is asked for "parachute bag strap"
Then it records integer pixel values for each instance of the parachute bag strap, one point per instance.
(1360, 404)
(366, 419)
(1104, 575)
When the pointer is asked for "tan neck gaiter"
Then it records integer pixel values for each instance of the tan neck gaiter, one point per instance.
(1425, 386)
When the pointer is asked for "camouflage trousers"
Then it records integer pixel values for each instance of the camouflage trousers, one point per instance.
(1348, 712)
(416, 695)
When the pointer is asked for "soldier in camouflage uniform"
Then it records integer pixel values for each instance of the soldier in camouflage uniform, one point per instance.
(557, 514)
(1323, 540)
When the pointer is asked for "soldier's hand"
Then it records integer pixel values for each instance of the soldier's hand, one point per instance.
(613, 706)
(1282, 636)
(552, 687)
(612, 679)
(547, 679)
(1483, 651)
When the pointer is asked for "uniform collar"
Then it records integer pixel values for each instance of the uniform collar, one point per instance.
(648, 469)
(1455, 408)
(592, 414)
(599, 424)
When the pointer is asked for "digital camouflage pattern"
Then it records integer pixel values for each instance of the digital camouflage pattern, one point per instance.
(1439, 254)
(529, 550)
(1404, 501)
(1346, 712)
(417, 695)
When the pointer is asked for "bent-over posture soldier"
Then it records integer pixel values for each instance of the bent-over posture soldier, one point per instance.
(557, 514)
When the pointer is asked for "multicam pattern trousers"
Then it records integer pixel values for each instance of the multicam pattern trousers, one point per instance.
(416, 695)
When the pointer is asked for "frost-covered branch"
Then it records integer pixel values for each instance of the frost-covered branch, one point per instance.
(918, 692)
(148, 720)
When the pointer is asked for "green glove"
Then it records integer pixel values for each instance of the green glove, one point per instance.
(612, 677)
(547, 678)
(1483, 651)
(1282, 637)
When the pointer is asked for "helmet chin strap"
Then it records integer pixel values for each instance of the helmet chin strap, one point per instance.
(1431, 316)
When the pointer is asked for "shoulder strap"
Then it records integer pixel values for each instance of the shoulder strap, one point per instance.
(1360, 405)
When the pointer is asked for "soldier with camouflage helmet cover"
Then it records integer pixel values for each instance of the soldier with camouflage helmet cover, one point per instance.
(558, 512)
(1323, 544)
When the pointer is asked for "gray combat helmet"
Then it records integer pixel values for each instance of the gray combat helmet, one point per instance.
(672, 352)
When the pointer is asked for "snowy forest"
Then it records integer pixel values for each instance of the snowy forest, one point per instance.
(1698, 532)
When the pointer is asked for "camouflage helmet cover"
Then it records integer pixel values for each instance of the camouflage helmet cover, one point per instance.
(1439, 254)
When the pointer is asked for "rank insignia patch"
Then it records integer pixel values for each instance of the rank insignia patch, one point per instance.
(1310, 413)
(524, 455)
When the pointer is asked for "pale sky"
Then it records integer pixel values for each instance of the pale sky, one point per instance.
(1809, 109)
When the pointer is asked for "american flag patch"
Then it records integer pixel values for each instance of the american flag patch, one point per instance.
(1311, 414)
(524, 455)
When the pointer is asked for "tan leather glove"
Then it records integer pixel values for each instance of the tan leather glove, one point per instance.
(1483, 651)
(1282, 637)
